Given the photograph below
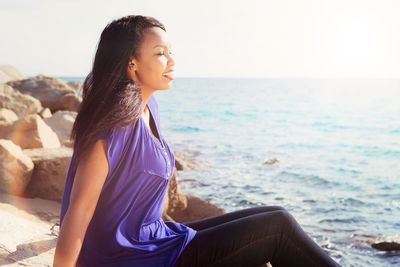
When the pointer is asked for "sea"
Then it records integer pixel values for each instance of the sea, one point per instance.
(327, 150)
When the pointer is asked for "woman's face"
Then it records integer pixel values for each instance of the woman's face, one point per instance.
(153, 61)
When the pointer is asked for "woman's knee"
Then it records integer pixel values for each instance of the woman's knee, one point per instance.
(284, 218)
(269, 208)
(279, 208)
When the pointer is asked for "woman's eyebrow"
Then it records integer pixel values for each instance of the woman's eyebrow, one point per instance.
(157, 45)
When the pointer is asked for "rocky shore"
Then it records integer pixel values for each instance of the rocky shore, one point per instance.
(36, 118)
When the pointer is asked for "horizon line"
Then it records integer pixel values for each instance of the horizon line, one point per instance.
(250, 77)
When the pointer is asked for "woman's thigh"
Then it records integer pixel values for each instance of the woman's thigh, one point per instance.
(230, 216)
(252, 240)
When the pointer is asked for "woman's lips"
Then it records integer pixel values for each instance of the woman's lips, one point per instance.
(169, 75)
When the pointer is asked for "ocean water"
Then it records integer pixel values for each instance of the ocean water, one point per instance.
(336, 142)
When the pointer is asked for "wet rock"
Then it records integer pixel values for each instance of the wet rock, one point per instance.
(53, 93)
(51, 168)
(386, 246)
(30, 132)
(184, 163)
(21, 104)
(16, 168)
(271, 161)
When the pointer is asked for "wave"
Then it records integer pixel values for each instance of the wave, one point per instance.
(186, 129)
(354, 219)
(311, 179)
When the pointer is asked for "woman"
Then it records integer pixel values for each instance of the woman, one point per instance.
(119, 172)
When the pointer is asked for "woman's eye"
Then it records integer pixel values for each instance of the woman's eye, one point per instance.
(162, 53)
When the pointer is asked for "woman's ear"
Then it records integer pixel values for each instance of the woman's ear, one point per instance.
(132, 68)
(131, 64)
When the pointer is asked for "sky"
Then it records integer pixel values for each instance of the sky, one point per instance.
(214, 38)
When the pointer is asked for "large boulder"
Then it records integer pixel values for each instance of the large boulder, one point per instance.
(7, 115)
(51, 168)
(9, 73)
(15, 168)
(53, 93)
(197, 209)
(61, 122)
(21, 104)
(30, 132)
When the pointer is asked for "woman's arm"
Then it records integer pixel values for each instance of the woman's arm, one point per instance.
(88, 182)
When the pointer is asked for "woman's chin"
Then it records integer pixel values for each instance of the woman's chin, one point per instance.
(167, 86)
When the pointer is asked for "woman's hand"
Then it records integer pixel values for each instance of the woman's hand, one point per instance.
(89, 180)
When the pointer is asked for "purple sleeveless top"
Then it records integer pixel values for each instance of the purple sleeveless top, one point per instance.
(127, 228)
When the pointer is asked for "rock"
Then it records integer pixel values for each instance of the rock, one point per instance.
(68, 143)
(51, 168)
(30, 132)
(26, 238)
(42, 209)
(386, 246)
(16, 168)
(53, 93)
(176, 199)
(77, 85)
(164, 215)
(61, 122)
(384, 243)
(183, 163)
(197, 208)
(7, 116)
(271, 161)
(70, 101)
(21, 104)
(9, 73)
(45, 113)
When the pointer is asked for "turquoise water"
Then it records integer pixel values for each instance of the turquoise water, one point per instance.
(337, 143)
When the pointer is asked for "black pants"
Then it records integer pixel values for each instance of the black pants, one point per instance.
(252, 237)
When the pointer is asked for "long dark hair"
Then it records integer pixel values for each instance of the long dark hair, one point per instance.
(110, 98)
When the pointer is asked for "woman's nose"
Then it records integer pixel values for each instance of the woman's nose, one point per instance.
(171, 61)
